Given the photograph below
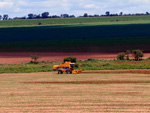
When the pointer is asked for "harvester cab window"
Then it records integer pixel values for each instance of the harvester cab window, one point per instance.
(72, 65)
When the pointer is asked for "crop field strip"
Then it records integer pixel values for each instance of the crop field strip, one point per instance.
(72, 38)
(77, 32)
(17, 96)
(82, 34)
(34, 22)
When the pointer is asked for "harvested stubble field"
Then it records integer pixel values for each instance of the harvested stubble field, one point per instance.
(82, 93)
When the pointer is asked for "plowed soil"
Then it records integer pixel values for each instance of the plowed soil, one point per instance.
(23, 57)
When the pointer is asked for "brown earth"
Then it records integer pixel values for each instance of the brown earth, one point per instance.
(23, 57)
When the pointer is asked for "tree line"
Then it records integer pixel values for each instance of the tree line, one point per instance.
(47, 15)
(136, 54)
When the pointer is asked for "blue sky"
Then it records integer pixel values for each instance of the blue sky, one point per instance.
(77, 7)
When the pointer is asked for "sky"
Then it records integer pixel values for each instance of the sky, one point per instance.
(20, 8)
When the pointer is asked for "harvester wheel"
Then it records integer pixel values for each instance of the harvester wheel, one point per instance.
(60, 72)
(69, 71)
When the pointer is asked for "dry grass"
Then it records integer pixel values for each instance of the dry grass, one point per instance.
(44, 93)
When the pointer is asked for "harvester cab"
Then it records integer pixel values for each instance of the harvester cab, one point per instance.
(67, 67)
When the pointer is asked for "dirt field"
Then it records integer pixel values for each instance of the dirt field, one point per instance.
(82, 93)
(16, 57)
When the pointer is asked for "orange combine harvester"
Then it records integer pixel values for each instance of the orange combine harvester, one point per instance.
(67, 67)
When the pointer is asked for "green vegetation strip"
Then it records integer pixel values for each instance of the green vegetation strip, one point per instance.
(25, 68)
(113, 65)
(79, 38)
(77, 42)
(35, 22)
(86, 65)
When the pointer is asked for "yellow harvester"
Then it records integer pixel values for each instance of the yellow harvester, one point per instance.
(67, 67)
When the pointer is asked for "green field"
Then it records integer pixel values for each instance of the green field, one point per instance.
(76, 34)
(83, 93)
(34, 22)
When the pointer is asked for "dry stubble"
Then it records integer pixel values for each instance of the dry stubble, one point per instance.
(28, 93)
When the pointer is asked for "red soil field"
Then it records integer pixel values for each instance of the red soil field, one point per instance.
(24, 57)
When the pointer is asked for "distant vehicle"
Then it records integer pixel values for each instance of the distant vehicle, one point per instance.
(67, 67)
